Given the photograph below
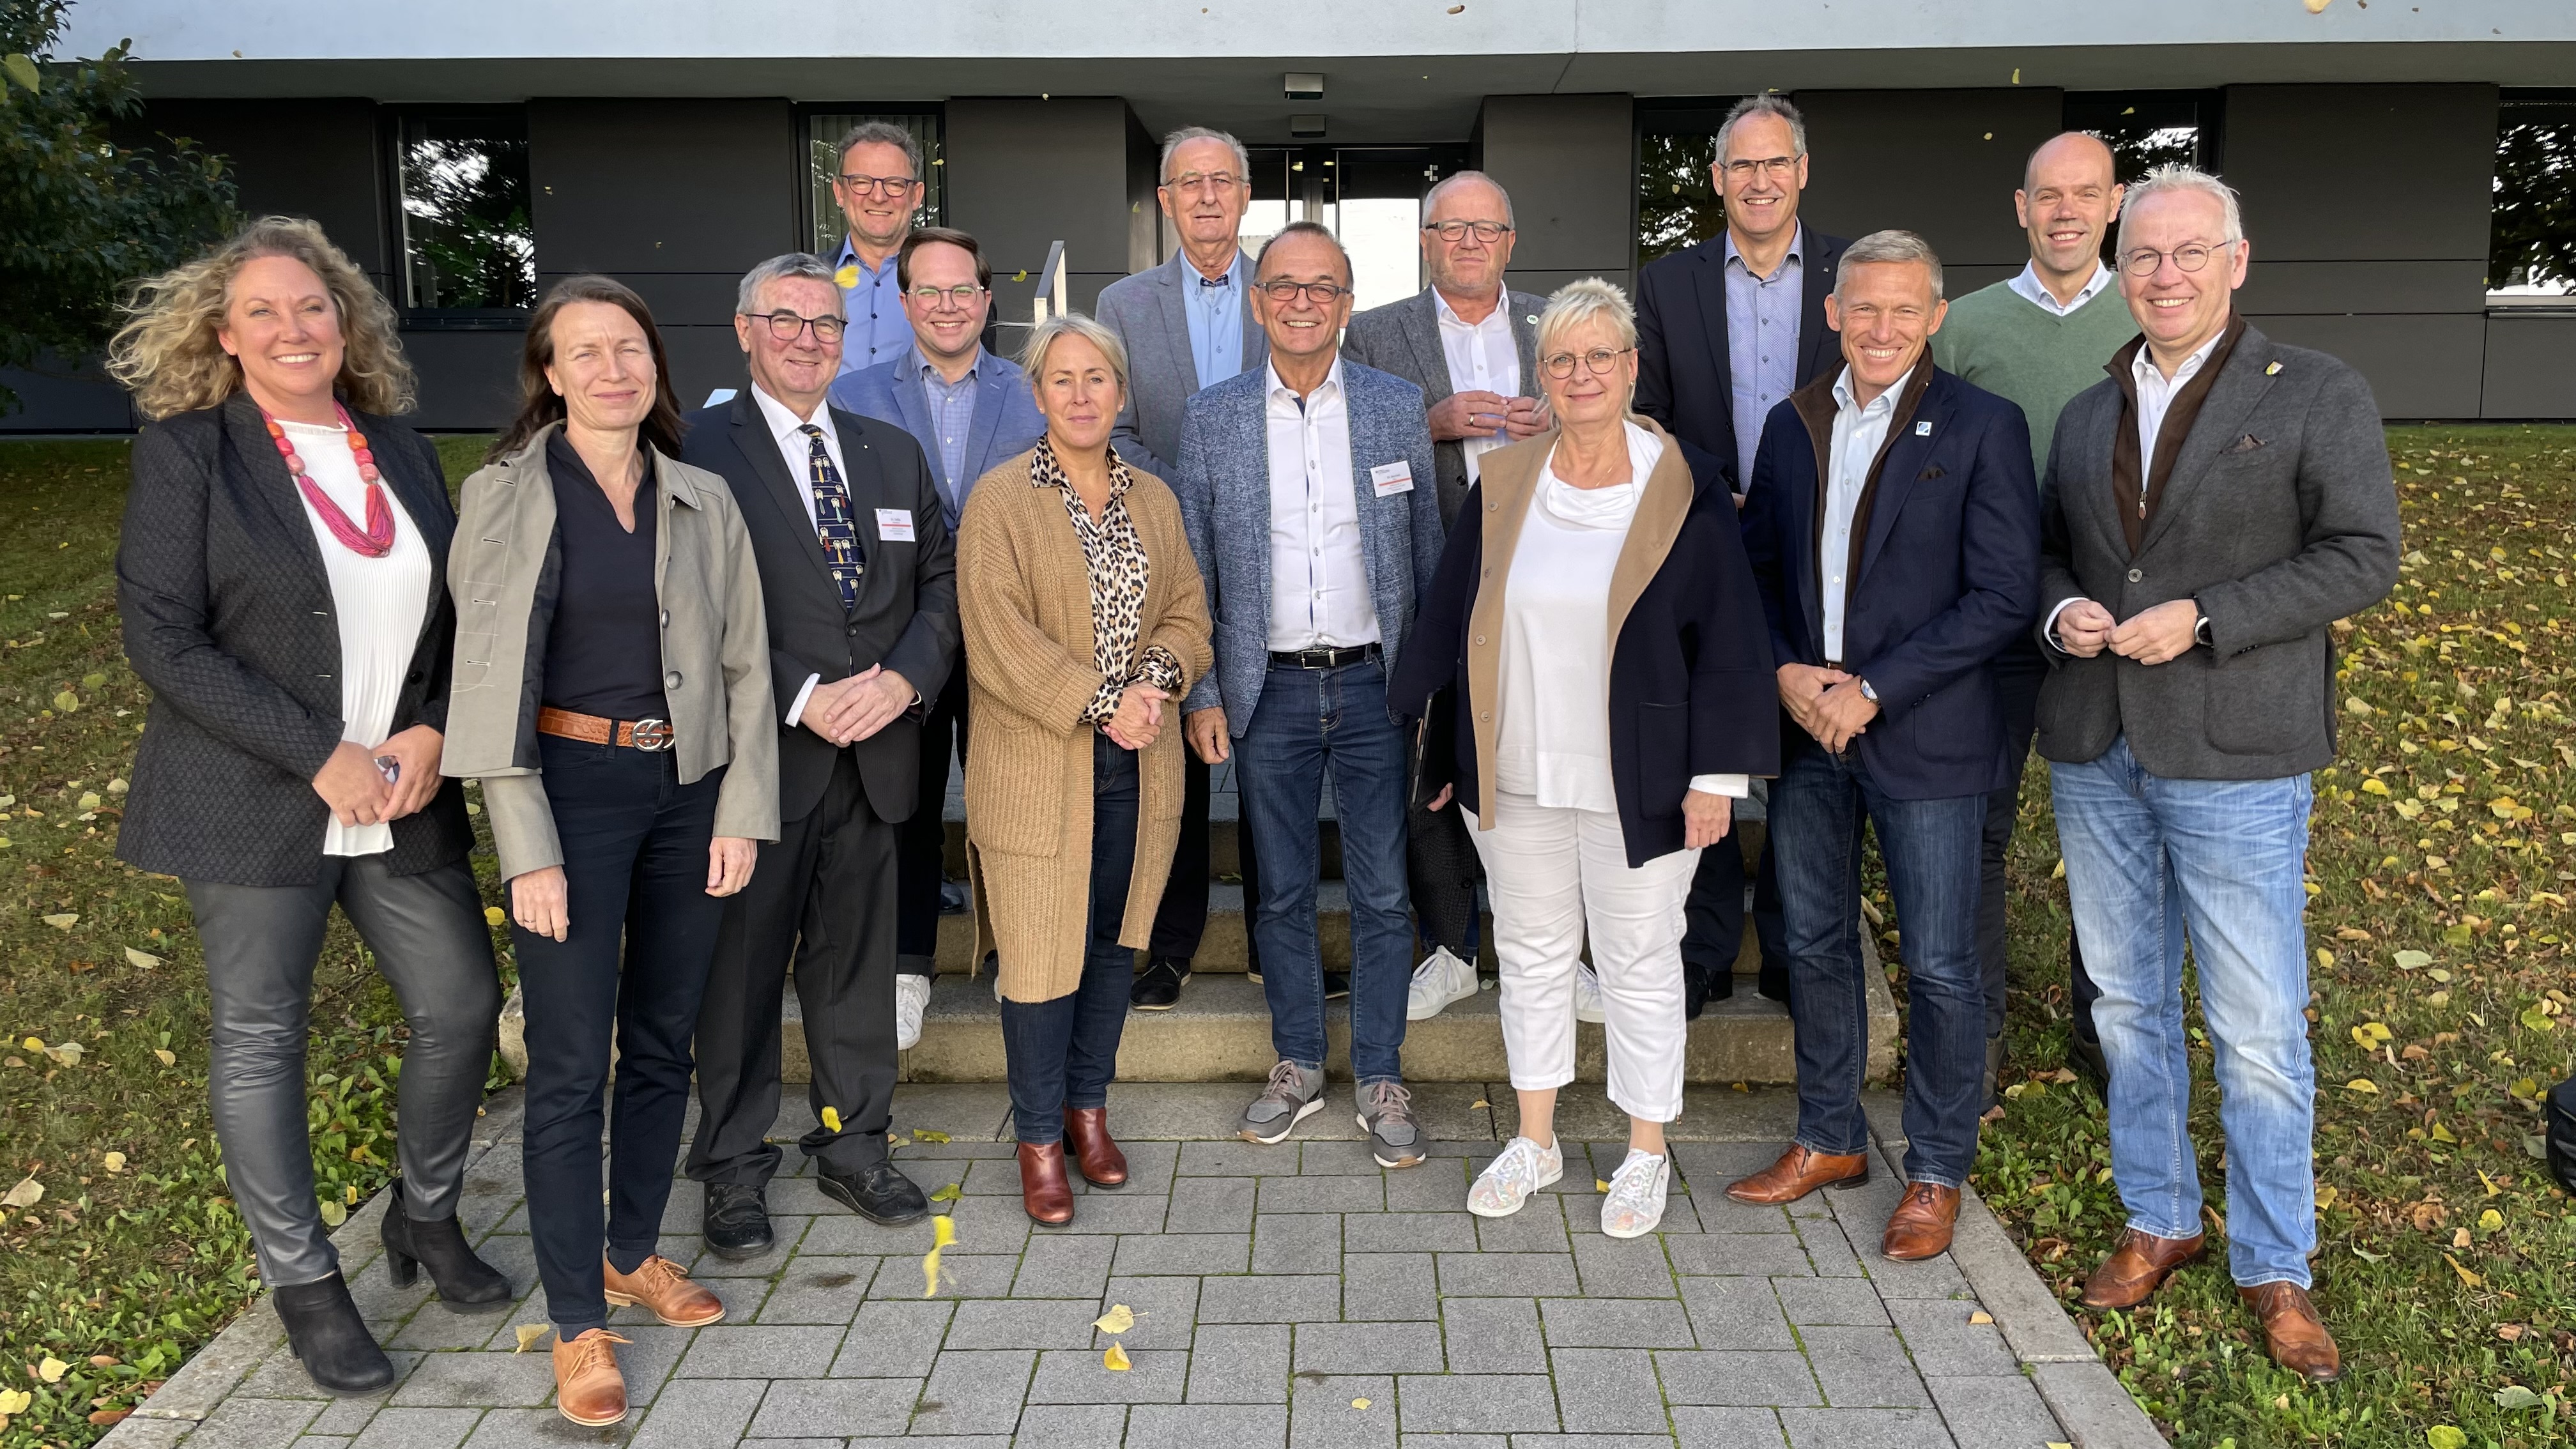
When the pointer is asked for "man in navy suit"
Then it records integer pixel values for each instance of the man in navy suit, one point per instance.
(969, 410)
(1894, 530)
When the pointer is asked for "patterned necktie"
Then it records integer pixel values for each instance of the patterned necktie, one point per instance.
(832, 520)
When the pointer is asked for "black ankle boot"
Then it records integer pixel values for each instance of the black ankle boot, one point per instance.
(465, 1282)
(324, 1330)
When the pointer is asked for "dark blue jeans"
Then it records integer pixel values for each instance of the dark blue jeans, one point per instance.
(1062, 1053)
(1818, 806)
(1310, 721)
(632, 966)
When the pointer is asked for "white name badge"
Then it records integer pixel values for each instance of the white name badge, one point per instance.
(894, 525)
(1392, 478)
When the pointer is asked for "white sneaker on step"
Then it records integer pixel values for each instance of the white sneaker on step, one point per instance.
(1587, 994)
(911, 999)
(1441, 981)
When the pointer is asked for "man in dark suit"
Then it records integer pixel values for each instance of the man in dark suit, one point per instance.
(2211, 509)
(853, 659)
(1726, 329)
(1894, 530)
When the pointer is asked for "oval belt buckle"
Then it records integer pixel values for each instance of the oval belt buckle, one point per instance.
(652, 735)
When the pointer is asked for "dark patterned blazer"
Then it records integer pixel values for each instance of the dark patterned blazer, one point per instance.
(228, 616)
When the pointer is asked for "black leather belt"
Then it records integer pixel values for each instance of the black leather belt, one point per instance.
(1324, 658)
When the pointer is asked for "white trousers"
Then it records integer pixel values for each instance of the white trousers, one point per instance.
(1553, 875)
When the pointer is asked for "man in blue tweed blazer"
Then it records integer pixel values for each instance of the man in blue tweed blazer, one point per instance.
(1308, 490)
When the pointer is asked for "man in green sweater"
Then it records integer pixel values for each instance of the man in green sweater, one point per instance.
(2039, 339)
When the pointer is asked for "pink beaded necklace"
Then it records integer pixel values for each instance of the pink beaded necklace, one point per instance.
(378, 539)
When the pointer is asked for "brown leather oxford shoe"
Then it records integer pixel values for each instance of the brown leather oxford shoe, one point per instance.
(1043, 1188)
(2291, 1328)
(1921, 1225)
(589, 1390)
(2138, 1266)
(1094, 1151)
(1800, 1172)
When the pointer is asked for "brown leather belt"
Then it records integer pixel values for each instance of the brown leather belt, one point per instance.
(649, 735)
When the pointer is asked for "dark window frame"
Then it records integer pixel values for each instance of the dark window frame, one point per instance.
(802, 141)
(393, 121)
(1660, 116)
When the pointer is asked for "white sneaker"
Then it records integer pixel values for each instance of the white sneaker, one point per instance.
(911, 999)
(1521, 1168)
(1442, 980)
(1587, 994)
(1635, 1205)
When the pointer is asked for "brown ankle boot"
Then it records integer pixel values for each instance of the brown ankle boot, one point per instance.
(1800, 1172)
(1095, 1153)
(1043, 1189)
(589, 1390)
(2291, 1329)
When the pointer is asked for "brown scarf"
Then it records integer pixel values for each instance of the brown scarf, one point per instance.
(2135, 506)
(1816, 408)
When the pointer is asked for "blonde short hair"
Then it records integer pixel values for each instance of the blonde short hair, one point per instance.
(1584, 300)
(1048, 333)
(167, 353)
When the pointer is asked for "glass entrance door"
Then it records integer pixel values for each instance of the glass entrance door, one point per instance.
(1369, 196)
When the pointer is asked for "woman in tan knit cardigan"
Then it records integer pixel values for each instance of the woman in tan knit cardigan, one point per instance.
(1084, 619)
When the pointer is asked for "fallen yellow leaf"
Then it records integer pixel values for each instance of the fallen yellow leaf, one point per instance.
(27, 1193)
(1981, 1316)
(1359, 1403)
(1116, 1359)
(2362, 1084)
(145, 960)
(167, 1057)
(1118, 1319)
(943, 1232)
(35, 1043)
(68, 1054)
(1599, 1185)
(52, 1369)
(14, 1401)
(62, 922)
(2326, 1196)
(2490, 1220)
(949, 1193)
(920, 1134)
(2467, 1278)
(528, 1334)
(1478, 1105)
(113, 1162)
(831, 1119)
(334, 1212)
(492, 916)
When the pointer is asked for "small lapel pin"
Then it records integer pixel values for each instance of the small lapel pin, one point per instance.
(1923, 429)
(1532, 319)
(2271, 368)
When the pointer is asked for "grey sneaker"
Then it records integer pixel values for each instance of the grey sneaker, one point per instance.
(1386, 1115)
(1292, 1095)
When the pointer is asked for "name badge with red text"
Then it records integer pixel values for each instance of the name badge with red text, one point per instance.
(1392, 478)
(894, 525)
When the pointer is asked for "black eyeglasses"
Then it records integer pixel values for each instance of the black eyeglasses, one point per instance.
(787, 326)
(1453, 230)
(1599, 362)
(2190, 256)
(889, 185)
(1322, 294)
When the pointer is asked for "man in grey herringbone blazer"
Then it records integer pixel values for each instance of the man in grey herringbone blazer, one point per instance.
(2210, 511)
(1305, 487)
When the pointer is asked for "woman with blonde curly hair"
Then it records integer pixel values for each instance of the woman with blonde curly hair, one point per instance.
(281, 578)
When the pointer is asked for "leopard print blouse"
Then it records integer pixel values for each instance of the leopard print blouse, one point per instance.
(1115, 559)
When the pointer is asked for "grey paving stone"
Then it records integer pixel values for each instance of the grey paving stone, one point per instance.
(1719, 1213)
(435, 1329)
(1832, 1250)
(1023, 1323)
(788, 1232)
(1438, 1185)
(1408, 1232)
(2096, 1410)
(1493, 1336)
(1241, 1363)
(478, 1380)
(1996, 1411)
(847, 1234)
(1508, 1275)
(1291, 1298)
(1346, 1159)
(1731, 1377)
(1607, 1391)
(1941, 1340)
(958, 1441)
(417, 1429)
(1185, 1254)
(1149, 1166)
(1867, 1429)
(1559, 1441)
(1299, 1242)
(761, 1351)
(1357, 1348)
(1704, 1428)
(896, 1338)
(1057, 1266)
(1863, 1368)
(1475, 1441)
(1476, 1403)
(823, 1408)
(711, 1415)
(1324, 1413)
(648, 1360)
(1615, 1323)
(166, 1435)
(975, 1393)
(1539, 1227)
(961, 1275)
(1623, 1268)
(988, 1225)
(1065, 1426)
(541, 1429)
(1105, 1211)
(1164, 1308)
(789, 1444)
(1931, 1278)
(1742, 1313)
(1835, 1301)
(281, 1377)
(1747, 1255)
(1077, 1376)
(1236, 1426)
(1210, 1205)
(1234, 1159)
(988, 1177)
(1388, 1286)
(819, 1290)
(247, 1423)
(1322, 1195)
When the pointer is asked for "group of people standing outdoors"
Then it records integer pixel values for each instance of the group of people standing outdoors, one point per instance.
(1544, 587)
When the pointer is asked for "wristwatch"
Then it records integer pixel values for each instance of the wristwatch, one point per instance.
(2199, 627)
(1868, 693)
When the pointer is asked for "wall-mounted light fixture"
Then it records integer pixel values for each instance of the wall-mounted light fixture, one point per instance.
(1305, 85)
(1306, 128)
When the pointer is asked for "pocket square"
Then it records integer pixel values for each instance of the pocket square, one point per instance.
(2245, 444)
(1928, 474)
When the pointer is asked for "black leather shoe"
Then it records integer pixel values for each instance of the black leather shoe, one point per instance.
(324, 1330)
(1994, 1071)
(1337, 984)
(1772, 981)
(466, 1284)
(737, 1221)
(1700, 986)
(876, 1192)
(2087, 1059)
(1159, 987)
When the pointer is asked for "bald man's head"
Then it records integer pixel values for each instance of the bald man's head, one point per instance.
(2079, 149)
(2070, 192)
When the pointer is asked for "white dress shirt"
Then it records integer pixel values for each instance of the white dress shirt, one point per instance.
(1319, 584)
(379, 604)
(1859, 429)
(2036, 292)
(2155, 399)
(797, 451)
(1554, 744)
(1482, 358)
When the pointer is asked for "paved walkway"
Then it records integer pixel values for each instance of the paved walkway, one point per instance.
(1295, 1295)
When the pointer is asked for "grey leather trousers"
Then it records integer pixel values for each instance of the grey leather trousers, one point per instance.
(261, 944)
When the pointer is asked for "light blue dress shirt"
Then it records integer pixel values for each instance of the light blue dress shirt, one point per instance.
(952, 414)
(1215, 309)
(1761, 343)
(1860, 429)
(879, 330)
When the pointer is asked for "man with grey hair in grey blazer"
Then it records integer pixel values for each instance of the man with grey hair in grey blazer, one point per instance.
(2210, 511)
(1187, 324)
(1471, 344)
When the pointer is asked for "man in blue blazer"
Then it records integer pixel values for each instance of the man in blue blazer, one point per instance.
(1308, 491)
(969, 410)
(1894, 531)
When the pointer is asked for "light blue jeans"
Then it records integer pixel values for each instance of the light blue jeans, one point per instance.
(2146, 858)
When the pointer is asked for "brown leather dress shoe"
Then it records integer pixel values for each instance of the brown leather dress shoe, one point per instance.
(1095, 1154)
(588, 1388)
(664, 1287)
(2296, 1336)
(2138, 1266)
(1920, 1226)
(1043, 1188)
(1800, 1172)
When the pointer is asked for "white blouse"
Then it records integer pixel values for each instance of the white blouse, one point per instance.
(1554, 744)
(380, 603)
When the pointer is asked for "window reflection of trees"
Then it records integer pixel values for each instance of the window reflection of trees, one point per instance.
(466, 231)
(2532, 246)
(1677, 206)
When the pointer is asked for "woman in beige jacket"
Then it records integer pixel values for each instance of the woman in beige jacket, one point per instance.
(1084, 621)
